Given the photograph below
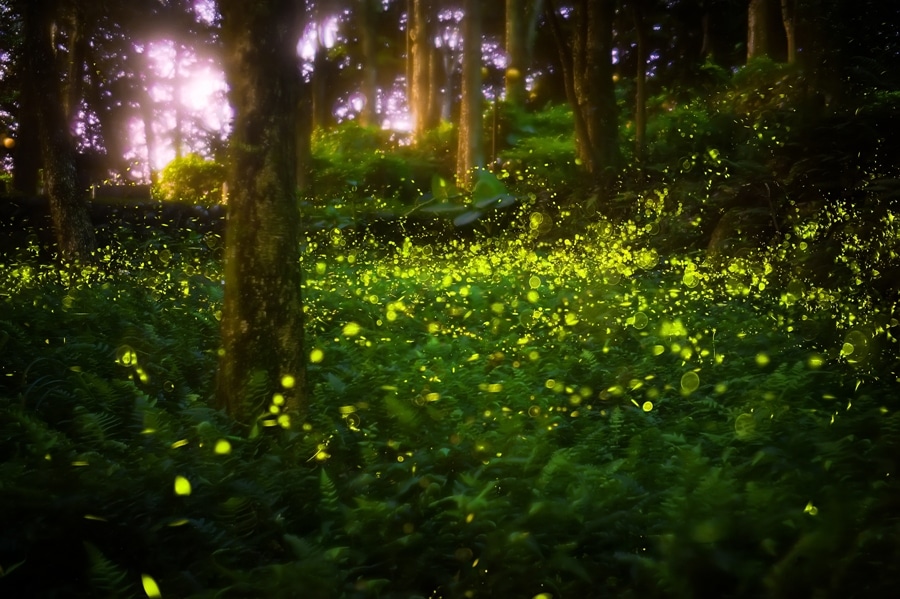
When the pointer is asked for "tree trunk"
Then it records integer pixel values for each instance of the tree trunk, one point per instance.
(437, 99)
(640, 79)
(599, 103)
(148, 115)
(515, 51)
(521, 29)
(470, 150)
(177, 105)
(582, 135)
(68, 210)
(261, 376)
(421, 90)
(757, 29)
(586, 59)
(77, 51)
(366, 13)
(788, 17)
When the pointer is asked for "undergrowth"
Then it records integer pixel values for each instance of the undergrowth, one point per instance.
(501, 417)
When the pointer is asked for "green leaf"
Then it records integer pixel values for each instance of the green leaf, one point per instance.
(499, 201)
(467, 218)
(443, 208)
(487, 187)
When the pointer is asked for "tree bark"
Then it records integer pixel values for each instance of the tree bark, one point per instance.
(757, 29)
(586, 59)
(470, 148)
(422, 99)
(640, 79)
(521, 29)
(599, 103)
(148, 117)
(366, 13)
(582, 135)
(788, 17)
(261, 377)
(515, 52)
(77, 51)
(68, 211)
(438, 101)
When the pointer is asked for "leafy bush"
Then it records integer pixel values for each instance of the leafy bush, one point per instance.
(352, 161)
(191, 179)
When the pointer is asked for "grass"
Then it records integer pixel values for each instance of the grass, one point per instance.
(500, 417)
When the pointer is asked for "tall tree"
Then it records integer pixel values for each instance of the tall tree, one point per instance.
(68, 211)
(262, 323)
(758, 29)
(789, 18)
(521, 30)
(585, 53)
(366, 12)
(423, 68)
(642, 33)
(470, 149)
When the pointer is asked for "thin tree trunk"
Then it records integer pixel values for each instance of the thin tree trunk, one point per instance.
(522, 17)
(640, 95)
(788, 17)
(587, 71)
(419, 84)
(148, 115)
(75, 68)
(436, 97)
(367, 32)
(515, 51)
(262, 366)
(470, 150)
(178, 129)
(583, 146)
(68, 211)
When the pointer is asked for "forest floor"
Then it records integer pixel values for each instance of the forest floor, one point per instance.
(488, 416)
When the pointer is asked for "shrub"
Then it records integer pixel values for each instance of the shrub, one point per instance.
(191, 179)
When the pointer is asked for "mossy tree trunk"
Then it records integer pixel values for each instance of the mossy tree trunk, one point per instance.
(68, 210)
(262, 357)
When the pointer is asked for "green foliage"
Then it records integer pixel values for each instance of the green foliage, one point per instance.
(191, 179)
(500, 416)
(488, 195)
(351, 161)
(540, 152)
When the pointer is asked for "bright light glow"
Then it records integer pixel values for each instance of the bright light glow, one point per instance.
(205, 11)
(189, 105)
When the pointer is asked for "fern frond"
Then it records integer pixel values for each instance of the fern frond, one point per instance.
(107, 579)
